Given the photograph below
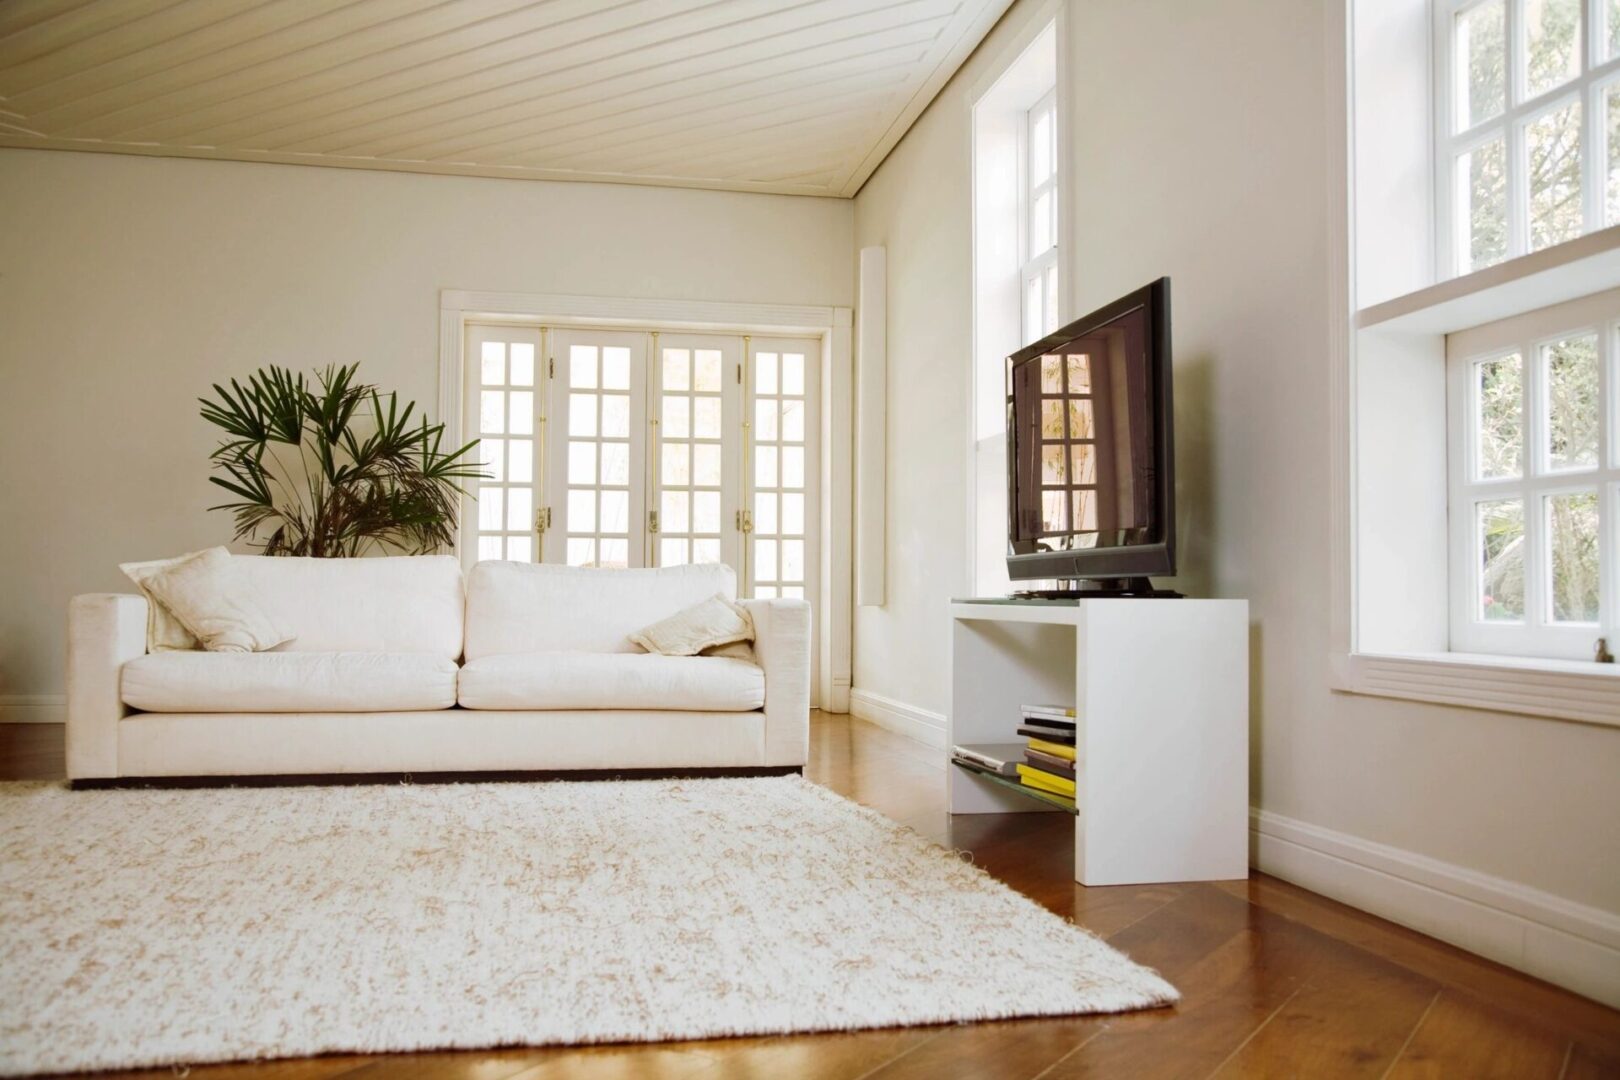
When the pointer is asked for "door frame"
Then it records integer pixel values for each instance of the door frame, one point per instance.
(831, 326)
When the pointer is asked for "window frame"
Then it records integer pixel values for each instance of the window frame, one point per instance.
(1527, 336)
(1590, 87)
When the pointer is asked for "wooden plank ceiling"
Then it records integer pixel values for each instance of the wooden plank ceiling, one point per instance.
(801, 98)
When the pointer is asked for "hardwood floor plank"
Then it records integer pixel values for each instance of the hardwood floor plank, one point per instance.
(1352, 1020)
(1462, 1038)
(1584, 1063)
(989, 1051)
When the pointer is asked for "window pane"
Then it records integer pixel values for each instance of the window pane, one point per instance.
(676, 517)
(677, 471)
(764, 512)
(615, 367)
(615, 553)
(1052, 464)
(706, 371)
(1482, 178)
(1083, 464)
(672, 552)
(1051, 300)
(582, 366)
(615, 511)
(765, 415)
(792, 560)
(581, 511)
(615, 463)
(705, 551)
(519, 512)
(582, 414)
(521, 460)
(792, 373)
(1554, 144)
(1552, 32)
(492, 412)
(1481, 63)
(792, 515)
(581, 463)
(520, 548)
(1040, 223)
(489, 547)
(522, 375)
(1571, 369)
(1611, 187)
(1040, 147)
(493, 361)
(491, 508)
(1613, 44)
(1499, 412)
(1501, 560)
(581, 552)
(706, 511)
(615, 416)
(765, 560)
(1572, 537)
(1054, 511)
(677, 417)
(793, 466)
(677, 369)
(792, 420)
(522, 412)
(765, 373)
(706, 418)
(489, 453)
(765, 466)
(706, 464)
(1033, 318)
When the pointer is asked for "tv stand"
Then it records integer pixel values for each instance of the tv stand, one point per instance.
(1101, 587)
(1161, 693)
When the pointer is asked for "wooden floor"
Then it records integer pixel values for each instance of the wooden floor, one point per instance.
(1275, 981)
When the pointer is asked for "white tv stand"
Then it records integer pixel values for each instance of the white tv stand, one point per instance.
(1161, 690)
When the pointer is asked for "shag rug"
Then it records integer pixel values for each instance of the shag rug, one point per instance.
(145, 927)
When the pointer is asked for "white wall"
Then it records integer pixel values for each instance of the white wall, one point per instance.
(1199, 149)
(129, 284)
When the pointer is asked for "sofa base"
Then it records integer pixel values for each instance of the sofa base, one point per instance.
(460, 741)
(475, 777)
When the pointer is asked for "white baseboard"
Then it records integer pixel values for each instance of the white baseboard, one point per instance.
(926, 727)
(33, 708)
(1563, 942)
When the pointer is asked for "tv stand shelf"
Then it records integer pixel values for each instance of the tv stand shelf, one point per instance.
(1161, 692)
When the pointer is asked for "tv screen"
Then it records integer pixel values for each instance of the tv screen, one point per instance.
(1090, 491)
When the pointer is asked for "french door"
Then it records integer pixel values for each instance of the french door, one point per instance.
(646, 448)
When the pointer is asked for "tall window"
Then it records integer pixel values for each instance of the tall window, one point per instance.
(1535, 482)
(1528, 116)
(1038, 208)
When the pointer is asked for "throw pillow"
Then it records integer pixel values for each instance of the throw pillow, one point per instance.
(164, 632)
(211, 599)
(715, 621)
(737, 650)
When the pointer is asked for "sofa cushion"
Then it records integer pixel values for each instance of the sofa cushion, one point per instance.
(288, 682)
(397, 604)
(599, 680)
(533, 607)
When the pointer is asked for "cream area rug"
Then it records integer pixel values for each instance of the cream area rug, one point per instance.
(147, 927)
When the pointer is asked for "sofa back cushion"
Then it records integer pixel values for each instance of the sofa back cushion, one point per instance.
(399, 604)
(533, 607)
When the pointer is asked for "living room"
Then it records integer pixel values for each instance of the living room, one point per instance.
(624, 741)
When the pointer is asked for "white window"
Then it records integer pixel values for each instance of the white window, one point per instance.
(1535, 481)
(646, 448)
(1038, 213)
(1527, 154)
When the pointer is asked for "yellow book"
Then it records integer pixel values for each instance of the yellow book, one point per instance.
(1055, 749)
(1045, 781)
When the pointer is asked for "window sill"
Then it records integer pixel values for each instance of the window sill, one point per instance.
(1588, 264)
(1558, 689)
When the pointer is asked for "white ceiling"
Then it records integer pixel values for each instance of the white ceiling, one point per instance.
(802, 98)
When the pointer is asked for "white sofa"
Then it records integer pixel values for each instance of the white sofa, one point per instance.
(397, 665)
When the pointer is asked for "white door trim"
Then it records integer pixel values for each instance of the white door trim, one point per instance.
(830, 325)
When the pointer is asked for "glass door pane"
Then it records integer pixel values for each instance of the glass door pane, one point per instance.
(503, 379)
(696, 459)
(596, 480)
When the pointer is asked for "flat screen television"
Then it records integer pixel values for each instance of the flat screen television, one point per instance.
(1090, 459)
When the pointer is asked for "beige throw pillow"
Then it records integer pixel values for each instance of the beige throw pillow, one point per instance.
(715, 621)
(164, 632)
(213, 601)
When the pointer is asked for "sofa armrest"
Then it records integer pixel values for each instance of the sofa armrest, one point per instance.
(782, 642)
(105, 631)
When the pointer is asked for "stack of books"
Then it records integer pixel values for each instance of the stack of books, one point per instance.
(1049, 759)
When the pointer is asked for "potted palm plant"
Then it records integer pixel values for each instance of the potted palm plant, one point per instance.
(329, 467)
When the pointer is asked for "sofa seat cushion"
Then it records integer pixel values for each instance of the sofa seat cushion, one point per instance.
(192, 682)
(592, 680)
